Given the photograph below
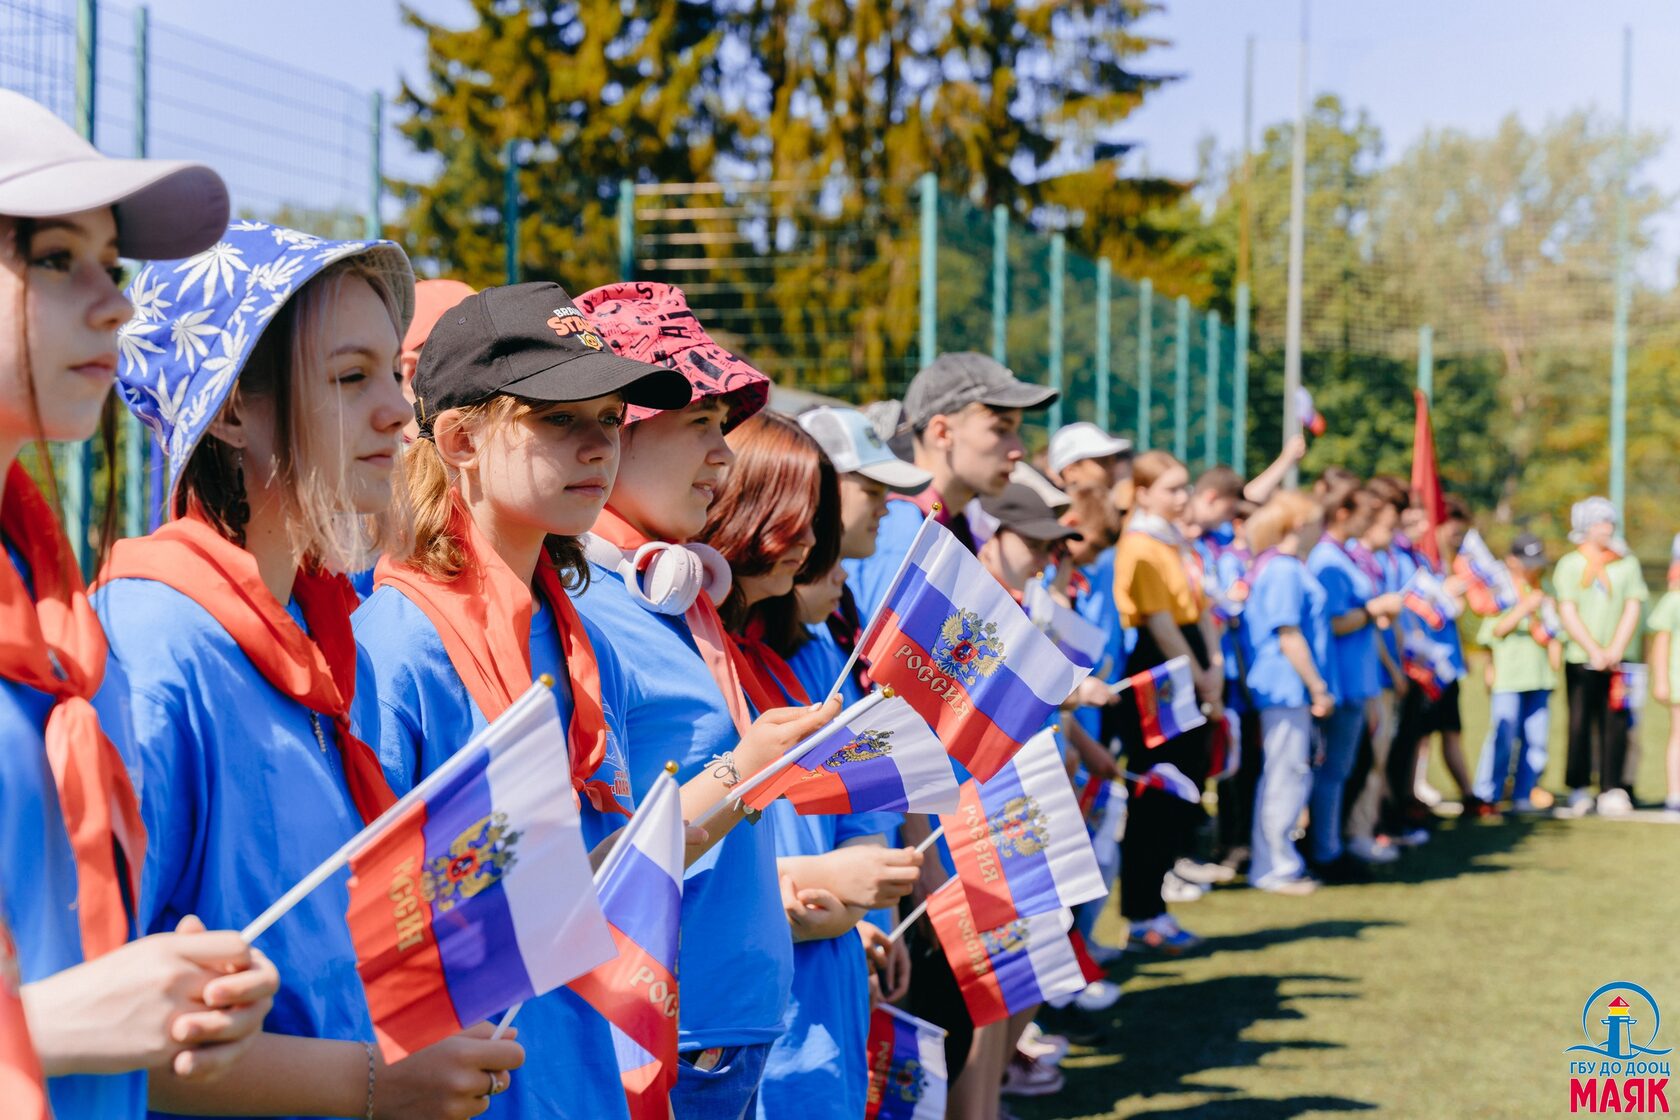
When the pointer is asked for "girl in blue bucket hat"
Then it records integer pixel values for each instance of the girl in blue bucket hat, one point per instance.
(103, 1006)
(268, 367)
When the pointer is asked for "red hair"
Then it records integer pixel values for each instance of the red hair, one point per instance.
(773, 490)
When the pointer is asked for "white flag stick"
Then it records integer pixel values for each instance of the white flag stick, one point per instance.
(507, 1020)
(909, 920)
(892, 590)
(932, 839)
(453, 765)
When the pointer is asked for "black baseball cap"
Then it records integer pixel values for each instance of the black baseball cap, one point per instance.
(1020, 510)
(1529, 549)
(529, 341)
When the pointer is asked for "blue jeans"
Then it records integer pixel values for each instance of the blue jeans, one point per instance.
(727, 1091)
(1330, 775)
(1514, 714)
(1286, 780)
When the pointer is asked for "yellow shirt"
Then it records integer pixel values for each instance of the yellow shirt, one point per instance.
(1150, 578)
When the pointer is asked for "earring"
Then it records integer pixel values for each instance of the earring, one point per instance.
(239, 509)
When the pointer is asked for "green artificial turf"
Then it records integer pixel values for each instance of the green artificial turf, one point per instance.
(1447, 989)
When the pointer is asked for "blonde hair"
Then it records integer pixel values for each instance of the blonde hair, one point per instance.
(1286, 512)
(319, 527)
(1150, 467)
(430, 487)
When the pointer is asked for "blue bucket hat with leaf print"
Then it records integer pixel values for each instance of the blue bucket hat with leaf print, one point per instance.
(197, 320)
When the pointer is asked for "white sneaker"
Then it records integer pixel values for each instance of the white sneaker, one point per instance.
(1368, 850)
(1099, 995)
(1035, 1043)
(1580, 803)
(1027, 1078)
(1413, 839)
(1175, 889)
(1614, 803)
(1203, 874)
(1427, 794)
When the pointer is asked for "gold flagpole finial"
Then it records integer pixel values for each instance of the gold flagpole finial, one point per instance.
(937, 506)
(887, 691)
(546, 681)
(670, 768)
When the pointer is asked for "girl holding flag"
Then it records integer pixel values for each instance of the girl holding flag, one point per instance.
(657, 595)
(102, 1008)
(516, 452)
(279, 406)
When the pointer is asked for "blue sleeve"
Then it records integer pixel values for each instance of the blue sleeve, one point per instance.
(1339, 591)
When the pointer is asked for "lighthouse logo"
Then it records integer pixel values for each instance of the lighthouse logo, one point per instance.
(1622, 1069)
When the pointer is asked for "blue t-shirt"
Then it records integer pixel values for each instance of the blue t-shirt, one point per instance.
(240, 799)
(1284, 594)
(38, 869)
(818, 1069)
(426, 715)
(736, 961)
(869, 577)
(1355, 655)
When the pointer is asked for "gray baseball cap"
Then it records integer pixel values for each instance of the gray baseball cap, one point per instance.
(955, 381)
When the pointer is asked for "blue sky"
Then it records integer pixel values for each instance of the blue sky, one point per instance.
(1415, 65)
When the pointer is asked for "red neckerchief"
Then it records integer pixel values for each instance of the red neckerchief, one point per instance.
(317, 669)
(717, 649)
(483, 616)
(1598, 561)
(768, 679)
(52, 642)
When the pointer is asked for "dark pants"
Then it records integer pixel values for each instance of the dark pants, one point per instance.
(1236, 793)
(1598, 735)
(1159, 826)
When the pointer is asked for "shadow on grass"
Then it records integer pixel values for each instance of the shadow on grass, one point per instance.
(1464, 847)
(1256, 940)
(1251, 1108)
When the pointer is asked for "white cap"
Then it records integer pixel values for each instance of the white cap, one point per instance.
(854, 447)
(166, 209)
(1083, 440)
(1025, 474)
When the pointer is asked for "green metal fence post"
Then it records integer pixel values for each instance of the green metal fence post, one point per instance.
(928, 335)
(1210, 420)
(1181, 382)
(78, 460)
(1058, 265)
(1426, 362)
(626, 229)
(510, 210)
(135, 435)
(1239, 388)
(1619, 340)
(373, 225)
(1105, 279)
(1145, 361)
(1000, 282)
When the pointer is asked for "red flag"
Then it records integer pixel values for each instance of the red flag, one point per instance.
(1426, 480)
(21, 1085)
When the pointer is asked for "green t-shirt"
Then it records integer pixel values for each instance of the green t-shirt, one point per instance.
(1600, 607)
(1520, 664)
(1666, 616)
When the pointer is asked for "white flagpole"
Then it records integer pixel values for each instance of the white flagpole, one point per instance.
(909, 920)
(451, 766)
(932, 839)
(892, 589)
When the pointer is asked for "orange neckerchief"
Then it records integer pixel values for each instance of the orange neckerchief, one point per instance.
(769, 680)
(317, 669)
(716, 648)
(53, 643)
(483, 616)
(1598, 560)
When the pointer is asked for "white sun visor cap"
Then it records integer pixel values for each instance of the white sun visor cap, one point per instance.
(854, 447)
(166, 209)
(1080, 441)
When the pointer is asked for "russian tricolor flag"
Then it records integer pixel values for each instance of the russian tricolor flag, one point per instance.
(1018, 839)
(1491, 590)
(1007, 969)
(906, 1067)
(640, 884)
(474, 892)
(1166, 700)
(1426, 597)
(950, 640)
(877, 755)
(22, 1084)
(1079, 641)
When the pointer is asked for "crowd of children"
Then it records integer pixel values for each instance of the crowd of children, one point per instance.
(391, 506)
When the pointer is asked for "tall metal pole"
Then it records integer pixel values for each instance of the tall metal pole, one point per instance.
(1181, 382)
(373, 225)
(1624, 294)
(1244, 230)
(1145, 361)
(510, 211)
(1210, 414)
(135, 436)
(626, 229)
(1426, 362)
(1105, 280)
(1297, 239)
(1058, 266)
(1239, 387)
(929, 334)
(1000, 282)
(78, 460)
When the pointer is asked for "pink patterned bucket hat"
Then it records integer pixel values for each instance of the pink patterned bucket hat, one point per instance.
(653, 323)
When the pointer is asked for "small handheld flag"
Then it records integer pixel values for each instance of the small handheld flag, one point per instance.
(640, 885)
(473, 892)
(1307, 414)
(1167, 778)
(1547, 627)
(1001, 971)
(1082, 643)
(949, 639)
(22, 1084)
(907, 1079)
(1426, 597)
(1166, 700)
(878, 755)
(1628, 686)
(1427, 662)
(1018, 839)
(1490, 588)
